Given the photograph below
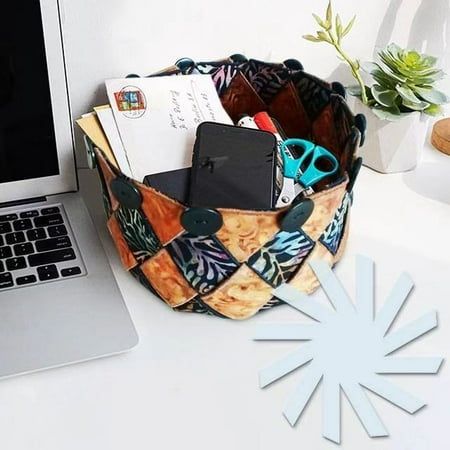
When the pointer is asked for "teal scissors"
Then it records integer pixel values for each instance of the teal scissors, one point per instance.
(313, 165)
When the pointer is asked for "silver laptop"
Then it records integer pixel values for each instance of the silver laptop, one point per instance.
(59, 302)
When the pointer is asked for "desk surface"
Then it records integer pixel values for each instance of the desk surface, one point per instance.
(192, 381)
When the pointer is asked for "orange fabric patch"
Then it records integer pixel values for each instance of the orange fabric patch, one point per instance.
(245, 233)
(162, 212)
(241, 296)
(126, 256)
(166, 279)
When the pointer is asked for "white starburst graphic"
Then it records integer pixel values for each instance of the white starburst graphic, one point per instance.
(348, 348)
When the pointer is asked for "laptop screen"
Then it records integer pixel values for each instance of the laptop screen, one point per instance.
(27, 135)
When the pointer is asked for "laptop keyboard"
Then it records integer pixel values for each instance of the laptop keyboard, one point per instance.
(37, 246)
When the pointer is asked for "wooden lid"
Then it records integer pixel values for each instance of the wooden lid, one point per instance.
(440, 136)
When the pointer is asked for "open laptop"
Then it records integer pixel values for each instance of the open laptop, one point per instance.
(59, 302)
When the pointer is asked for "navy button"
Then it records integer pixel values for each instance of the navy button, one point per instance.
(90, 153)
(361, 124)
(338, 88)
(201, 221)
(238, 58)
(293, 64)
(297, 215)
(185, 64)
(126, 193)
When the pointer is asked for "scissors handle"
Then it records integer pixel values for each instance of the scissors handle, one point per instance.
(311, 173)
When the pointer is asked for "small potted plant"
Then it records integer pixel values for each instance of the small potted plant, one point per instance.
(397, 104)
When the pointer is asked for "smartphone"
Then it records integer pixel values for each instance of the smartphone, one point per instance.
(233, 167)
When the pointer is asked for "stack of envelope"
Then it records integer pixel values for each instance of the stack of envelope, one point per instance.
(149, 124)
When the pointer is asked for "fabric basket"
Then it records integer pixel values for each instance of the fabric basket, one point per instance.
(233, 272)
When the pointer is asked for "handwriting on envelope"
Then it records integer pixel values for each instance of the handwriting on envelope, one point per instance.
(157, 118)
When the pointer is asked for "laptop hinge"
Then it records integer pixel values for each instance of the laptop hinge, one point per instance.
(24, 201)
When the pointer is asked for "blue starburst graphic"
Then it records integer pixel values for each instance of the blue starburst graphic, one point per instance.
(348, 348)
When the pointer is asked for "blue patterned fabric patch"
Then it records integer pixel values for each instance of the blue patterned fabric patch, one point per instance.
(203, 261)
(313, 93)
(221, 75)
(267, 79)
(332, 235)
(138, 233)
(280, 257)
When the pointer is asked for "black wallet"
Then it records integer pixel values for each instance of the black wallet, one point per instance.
(174, 183)
(233, 167)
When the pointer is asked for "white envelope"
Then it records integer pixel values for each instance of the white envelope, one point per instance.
(106, 118)
(157, 118)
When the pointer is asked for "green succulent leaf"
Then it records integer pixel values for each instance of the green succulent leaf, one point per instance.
(319, 21)
(395, 75)
(410, 100)
(433, 110)
(311, 38)
(430, 60)
(384, 80)
(369, 66)
(329, 13)
(354, 90)
(349, 26)
(391, 114)
(338, 25)
(431, 95)
(324, 37)
(385, 97)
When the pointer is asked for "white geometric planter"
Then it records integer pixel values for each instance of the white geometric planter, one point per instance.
(391, 146)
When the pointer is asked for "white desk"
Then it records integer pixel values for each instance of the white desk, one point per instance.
(192, 381)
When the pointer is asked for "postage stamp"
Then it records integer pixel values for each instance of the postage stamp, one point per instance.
(131, 102)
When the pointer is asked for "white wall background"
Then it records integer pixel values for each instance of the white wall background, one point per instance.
(111, 38)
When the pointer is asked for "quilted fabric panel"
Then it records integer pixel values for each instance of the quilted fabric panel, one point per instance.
(166, 279)
(343, 119)
(241, 296)
(139, 275)
(305, 280)
(288, 109)
(196, 305)
(267, 79)
(279, 258)
(323, 131)
(222, 74)
(331, 237)
(105, 193)
(108, 176)
(203, 261)
(138, 233)
(313, 92)
(241, 96)
(126, 256)
(243, 233)
(325, 206)
(163, 214)
(342, 245)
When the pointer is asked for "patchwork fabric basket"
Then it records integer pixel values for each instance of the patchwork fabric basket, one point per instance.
(232, 272)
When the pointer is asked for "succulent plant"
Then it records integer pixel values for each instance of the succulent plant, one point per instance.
(403, 79)
(404, 82)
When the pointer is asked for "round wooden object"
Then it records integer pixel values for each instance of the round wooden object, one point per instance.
(440, 136)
